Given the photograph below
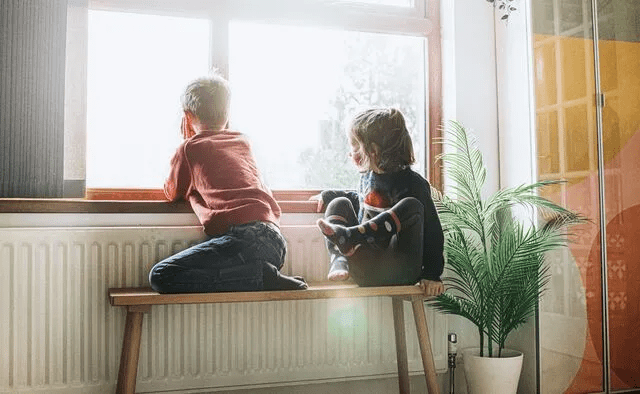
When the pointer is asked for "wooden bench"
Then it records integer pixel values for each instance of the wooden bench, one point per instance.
(138, 301)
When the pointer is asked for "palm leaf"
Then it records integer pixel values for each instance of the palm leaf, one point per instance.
(466, 308)
(464, 257)
(524, 195)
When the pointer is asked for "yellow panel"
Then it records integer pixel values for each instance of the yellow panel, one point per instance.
(574, 67)
(553, 193)
(576, 138)
(608, 65)
(625, 69)
(611, 129)
(545, 66)
(548, 154)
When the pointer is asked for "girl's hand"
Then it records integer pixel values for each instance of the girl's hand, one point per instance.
(318, 197)
(431, 288)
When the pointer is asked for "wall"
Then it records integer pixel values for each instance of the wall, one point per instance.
(469, 93)
(487, 87)
(517, 145)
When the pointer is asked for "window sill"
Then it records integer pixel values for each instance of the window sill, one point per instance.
(71, 205)
(131, 201)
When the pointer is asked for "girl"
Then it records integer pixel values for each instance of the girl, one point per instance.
(389, 232)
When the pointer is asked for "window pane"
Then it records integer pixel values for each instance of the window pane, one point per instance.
(138, 67)
(293, 89)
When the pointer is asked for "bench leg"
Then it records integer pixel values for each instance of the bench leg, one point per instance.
(131, 349)
(401, 345)
(425, 345)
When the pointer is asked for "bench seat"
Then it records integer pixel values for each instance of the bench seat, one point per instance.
(138, 301)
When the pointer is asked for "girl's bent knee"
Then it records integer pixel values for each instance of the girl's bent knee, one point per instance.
(409, 207)
(411, 202)
(340, 203)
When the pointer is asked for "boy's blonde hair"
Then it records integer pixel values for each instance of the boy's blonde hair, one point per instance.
(383, 131)
(208, 99)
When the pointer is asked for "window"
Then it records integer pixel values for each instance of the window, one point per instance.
(297, 70)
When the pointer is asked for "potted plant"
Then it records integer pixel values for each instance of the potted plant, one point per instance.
(497, 259)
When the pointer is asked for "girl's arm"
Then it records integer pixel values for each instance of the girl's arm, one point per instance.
(433, 244)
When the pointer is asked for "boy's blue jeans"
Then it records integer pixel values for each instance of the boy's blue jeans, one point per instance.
(233, 261)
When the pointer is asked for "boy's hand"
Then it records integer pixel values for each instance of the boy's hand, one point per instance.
(186, 129)
(431, 288)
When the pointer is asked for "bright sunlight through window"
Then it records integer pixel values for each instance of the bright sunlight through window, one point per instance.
(138, 67)
(294, 89)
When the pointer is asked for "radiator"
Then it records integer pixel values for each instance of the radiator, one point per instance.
(58, 333)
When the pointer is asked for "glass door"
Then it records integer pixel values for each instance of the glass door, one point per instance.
(618, 23)
(588, 134)
(570, 321)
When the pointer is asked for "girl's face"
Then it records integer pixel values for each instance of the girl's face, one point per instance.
(357, 153)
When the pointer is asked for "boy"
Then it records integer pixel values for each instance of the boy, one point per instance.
(214, 169)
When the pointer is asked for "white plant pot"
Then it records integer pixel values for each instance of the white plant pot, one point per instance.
(492, 375)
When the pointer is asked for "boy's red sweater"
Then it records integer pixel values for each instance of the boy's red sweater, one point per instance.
(216, 172)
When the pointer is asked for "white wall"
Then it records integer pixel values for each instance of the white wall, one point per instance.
(469, 92)
(487, 87)
(470, 75)
(516, 121)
